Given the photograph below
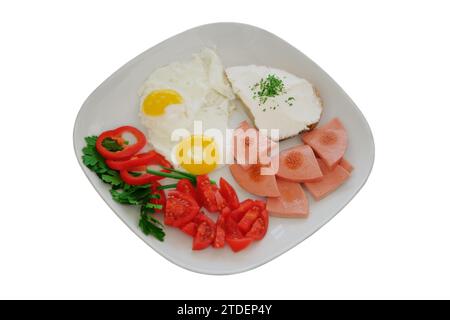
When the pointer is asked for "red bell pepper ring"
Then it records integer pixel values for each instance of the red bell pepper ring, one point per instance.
(144, 178)
(134, 162)
(128, 150)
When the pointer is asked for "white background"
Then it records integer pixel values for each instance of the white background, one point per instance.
(59, 240)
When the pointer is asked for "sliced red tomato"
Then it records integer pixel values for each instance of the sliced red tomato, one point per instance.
(200, 217)
(244, 206)
(206, 193)
(190, 228)
(238, 244)
(205, 233)
(248, 219)
(259, 227)
(126, 151)
(265, 217)
(181, 208)
(219, 240)
(185, 186)
(229, 194)
(231, 228)
(162, 196)
(261, 204)
(221, 203)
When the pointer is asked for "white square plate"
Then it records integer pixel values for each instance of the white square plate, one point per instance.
(115, 103)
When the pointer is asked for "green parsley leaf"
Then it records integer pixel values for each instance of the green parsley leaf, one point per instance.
(90, 141)
(113, 178)
(134, 195)
(111, 144)
(151, 226)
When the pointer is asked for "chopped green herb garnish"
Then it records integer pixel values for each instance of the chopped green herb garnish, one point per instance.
(272, 86)
(290, 100)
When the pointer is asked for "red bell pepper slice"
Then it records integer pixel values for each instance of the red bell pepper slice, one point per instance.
(134, 162)
(116, 134)
(144, 178)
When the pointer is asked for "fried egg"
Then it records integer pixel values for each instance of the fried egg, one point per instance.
(276, 99)
(179, 96)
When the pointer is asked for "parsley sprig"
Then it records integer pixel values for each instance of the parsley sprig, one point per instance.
(111, 145)
(124, 193)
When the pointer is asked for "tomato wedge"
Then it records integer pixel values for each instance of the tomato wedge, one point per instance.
(257, 230)
(205, 233)
(244, 206)
(238, 244)
(231, 228)
(126, 150)
(190, 228)
(181, 208)
(248, 219)
(185, 186)
(229, 194)
(220, 201)
(219, 240)
(207, 193)
(260, 204)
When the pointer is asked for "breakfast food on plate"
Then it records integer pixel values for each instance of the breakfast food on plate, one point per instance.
(329, 141)
(298, 164)
(292, 202)
(172, 99)
(176, 95)
(251, 180)
(276, 99)
(135, 181)
(332, 179)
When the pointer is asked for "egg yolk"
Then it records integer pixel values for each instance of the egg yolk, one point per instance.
(197, 154)
(156, 101)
